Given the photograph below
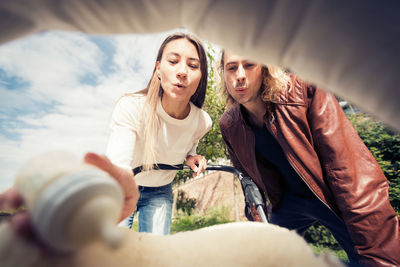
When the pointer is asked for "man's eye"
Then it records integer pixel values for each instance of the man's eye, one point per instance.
(232, 68)
(249, 65)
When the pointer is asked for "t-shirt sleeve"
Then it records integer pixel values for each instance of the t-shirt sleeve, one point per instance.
(124, 130)
(205, 125)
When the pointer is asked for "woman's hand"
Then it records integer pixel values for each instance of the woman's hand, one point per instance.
(123, 176)
(197, 163)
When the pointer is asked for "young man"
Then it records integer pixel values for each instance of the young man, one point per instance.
(297, 145)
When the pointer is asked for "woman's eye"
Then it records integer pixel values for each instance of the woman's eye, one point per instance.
(172, 61)
(194, 66)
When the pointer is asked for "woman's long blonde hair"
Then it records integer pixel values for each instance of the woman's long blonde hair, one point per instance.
(274, 81)
(154, 91)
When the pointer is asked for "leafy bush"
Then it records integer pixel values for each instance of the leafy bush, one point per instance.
(321, 240)
(321, 236)
(182, 176)
(185, 203)
(341, 254)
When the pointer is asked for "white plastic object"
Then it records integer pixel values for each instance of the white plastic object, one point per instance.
(72, 203)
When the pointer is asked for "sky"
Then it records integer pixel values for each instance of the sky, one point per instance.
(57, 91)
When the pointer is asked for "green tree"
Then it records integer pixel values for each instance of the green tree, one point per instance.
(212, 145)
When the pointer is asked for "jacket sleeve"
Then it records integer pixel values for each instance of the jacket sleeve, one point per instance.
(232, 154)
(358, 184)
(237, 165)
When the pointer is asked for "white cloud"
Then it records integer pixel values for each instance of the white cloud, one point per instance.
(51, 59)
(9, 162)
(56, 109)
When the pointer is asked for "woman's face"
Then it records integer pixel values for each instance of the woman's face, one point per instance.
(179, 70)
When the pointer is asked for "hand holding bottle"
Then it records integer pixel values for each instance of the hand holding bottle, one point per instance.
(22, 232)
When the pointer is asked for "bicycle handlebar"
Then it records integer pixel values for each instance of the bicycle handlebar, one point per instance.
(251, 192)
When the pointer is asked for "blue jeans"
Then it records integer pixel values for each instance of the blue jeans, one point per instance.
(154, 209)
(296, 213)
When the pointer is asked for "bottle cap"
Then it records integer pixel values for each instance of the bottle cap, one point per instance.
(95, 219)
(77, 208)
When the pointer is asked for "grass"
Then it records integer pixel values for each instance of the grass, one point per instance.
(182, 222)
(12, 211)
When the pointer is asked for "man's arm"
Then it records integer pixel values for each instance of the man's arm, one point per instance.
(248, 211)
(358, 184)
(231, 152)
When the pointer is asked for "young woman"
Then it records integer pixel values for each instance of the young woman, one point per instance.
(162, 124)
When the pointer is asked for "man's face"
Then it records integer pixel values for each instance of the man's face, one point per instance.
(243, 78)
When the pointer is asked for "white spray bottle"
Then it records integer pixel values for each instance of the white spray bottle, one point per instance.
(72, 203)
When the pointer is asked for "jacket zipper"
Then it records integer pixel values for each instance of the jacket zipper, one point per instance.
(295, 168)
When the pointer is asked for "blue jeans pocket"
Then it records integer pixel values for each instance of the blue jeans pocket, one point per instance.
(154, 210)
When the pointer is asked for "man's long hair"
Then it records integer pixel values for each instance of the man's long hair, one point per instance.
(274, 81)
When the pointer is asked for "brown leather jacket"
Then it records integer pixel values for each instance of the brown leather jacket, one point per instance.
(327, 153)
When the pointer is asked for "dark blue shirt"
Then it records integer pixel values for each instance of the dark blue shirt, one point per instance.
(267, 147)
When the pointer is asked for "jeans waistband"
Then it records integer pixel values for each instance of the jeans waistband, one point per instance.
(154, 188)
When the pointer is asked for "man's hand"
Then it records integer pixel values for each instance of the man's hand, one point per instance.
(123, 176)
(197, 163)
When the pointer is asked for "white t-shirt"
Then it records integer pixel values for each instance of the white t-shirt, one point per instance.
(175, 140)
